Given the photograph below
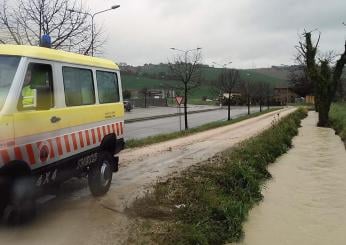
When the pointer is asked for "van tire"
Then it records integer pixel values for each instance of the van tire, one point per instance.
(21, 206)
(100, 174)
(4, 193)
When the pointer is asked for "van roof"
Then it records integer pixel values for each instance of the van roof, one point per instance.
(56, 55)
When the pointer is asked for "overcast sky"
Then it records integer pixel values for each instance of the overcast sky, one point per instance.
(250, 33)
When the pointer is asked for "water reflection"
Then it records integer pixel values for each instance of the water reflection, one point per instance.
(305, 203)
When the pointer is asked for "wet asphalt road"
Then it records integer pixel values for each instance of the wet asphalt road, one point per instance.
(144, 129)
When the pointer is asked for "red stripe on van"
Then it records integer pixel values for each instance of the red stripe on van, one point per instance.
(113, 127)
(117, 125)
(99, 134)
(30, 153)
(74, 141)
(81, 140)
(67, 144)
(121, 128)
(5, 156)
(87, 137)
(58, 142)
(104, 131)
(93, 136)
(52, 153)
(18, 153)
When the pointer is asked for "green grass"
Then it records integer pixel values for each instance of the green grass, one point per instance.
(208, 203)
(338, 119)
(165, 137)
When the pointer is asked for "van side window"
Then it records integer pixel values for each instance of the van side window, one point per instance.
(79, 86)
(37, 90)
(107, 84)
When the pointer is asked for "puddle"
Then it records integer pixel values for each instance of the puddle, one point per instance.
(305, 203)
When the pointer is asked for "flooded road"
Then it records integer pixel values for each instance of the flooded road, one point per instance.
(305, 203)
(75, 217)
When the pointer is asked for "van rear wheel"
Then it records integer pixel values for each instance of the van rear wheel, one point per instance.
(100, 174)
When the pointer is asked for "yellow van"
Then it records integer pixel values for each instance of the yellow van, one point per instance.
(61, 116)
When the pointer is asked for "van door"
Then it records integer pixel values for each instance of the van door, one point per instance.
(6, 139)
(35, 122)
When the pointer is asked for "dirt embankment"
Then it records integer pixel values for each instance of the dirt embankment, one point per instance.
(76, 218)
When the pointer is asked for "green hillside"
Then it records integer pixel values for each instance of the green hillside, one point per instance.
(132, 82)
(209, 74)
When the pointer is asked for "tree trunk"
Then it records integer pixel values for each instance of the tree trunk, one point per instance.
(185, 107)
(268, 103)
(323, 115)
(260, 105)
(248, 105)
(145, 101)
(229, 106)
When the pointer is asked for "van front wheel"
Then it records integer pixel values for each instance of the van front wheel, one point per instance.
(100, 174)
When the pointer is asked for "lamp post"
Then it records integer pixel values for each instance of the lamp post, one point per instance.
(92, 22)
(286, 89)
(186, 51)
(224, 65)
(248, 93)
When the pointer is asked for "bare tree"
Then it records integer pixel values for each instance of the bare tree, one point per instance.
(186, 68)
(25, 21)
(145, 93)
(300, 81)
(245, 87)
(325, 76)
(269, 92)
(226, 83)
(259, 91)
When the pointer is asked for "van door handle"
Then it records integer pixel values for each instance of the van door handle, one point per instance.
(55, 119)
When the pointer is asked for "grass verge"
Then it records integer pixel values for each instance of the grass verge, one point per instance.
(338, 119)
(165, 137)
(208, 203)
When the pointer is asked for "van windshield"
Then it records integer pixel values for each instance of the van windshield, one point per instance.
(8, 68)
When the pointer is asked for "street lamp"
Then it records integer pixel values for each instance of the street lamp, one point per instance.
(92, 22)
(224, 65)
(186, 51)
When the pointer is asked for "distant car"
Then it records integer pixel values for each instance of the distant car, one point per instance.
(127, 106)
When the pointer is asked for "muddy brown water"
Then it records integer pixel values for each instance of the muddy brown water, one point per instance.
(305, 203)
(74, 217)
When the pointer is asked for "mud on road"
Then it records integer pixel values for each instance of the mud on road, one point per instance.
(74, 217)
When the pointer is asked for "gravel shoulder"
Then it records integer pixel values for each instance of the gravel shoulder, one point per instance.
(75, 217)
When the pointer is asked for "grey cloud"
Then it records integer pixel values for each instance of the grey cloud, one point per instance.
(263, 32)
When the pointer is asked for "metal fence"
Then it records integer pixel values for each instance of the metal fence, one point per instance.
(149, 102)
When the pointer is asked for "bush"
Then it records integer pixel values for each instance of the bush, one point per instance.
(338, 119)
